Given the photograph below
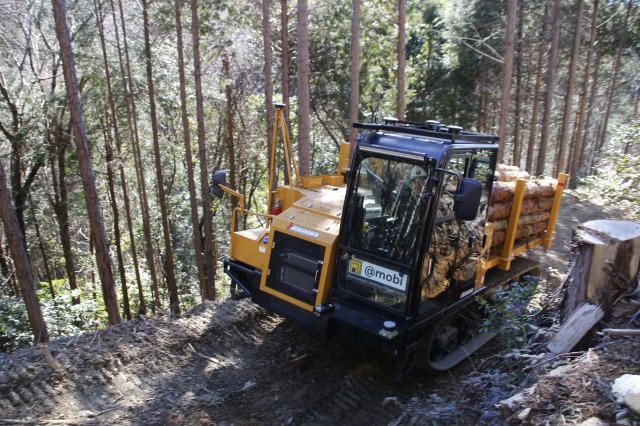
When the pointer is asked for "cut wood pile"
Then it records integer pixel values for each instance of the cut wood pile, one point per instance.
(536, 206)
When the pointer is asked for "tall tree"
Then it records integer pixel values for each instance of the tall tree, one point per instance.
(98, 234)
(586, 137)
(113, 163)
(16, 133)
(120, 166)
(132, 121)
(57, 135)
(304, 124)
(549, 86)
(517, 114)
(506, 77)
(568, 100)
(111, 184)
(613, 82)
(429, 83)
(13, 134)
(43, 252)
(188, 154)
(402, 19)
(284, 58)
(354, 99)
(268, 87)
(174, 303)
(577, 138)
(228, 136)
(536, 94)
(7, 271)
(20, 256)
(209, 258)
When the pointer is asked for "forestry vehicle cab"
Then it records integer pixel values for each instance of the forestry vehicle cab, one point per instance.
(395, 256)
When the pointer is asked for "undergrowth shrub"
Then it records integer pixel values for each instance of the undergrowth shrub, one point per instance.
(63, 318)
(510, 311)
(15, 331)
(617, 177)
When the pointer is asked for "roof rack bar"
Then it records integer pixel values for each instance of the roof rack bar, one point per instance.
(420, 129)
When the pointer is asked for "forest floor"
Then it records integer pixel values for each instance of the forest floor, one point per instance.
(232, 363)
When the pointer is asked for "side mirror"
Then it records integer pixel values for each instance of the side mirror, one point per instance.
(219, 178)
(466, 201)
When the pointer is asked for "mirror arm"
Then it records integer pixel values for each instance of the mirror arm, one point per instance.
(234, 193)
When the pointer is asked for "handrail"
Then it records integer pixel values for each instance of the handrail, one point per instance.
(247, 212)
(240, 209)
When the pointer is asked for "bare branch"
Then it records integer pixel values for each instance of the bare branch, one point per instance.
(12, 106)
(497, 58)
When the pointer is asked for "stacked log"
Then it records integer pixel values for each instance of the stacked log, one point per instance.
(506, 173)
(536, 206)
(536, 188)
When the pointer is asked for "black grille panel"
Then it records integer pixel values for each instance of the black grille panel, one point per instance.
(295, 267)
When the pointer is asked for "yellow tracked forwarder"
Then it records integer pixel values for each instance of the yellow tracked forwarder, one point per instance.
(394, 248)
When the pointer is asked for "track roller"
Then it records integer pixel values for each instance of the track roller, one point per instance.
(452, 340)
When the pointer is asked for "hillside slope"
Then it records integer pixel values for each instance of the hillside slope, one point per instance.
(231, 362)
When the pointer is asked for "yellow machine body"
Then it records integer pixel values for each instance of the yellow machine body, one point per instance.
(311, 214)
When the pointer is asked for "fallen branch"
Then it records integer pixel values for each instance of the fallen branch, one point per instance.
(622, 279)
(208, 358)
(107, 410)
(618, 332)
(553, 358)
(299, 358)
(94, 336)
(47, 356)
(42, 422)
(162, 330)
(562, 288)
(142, 339)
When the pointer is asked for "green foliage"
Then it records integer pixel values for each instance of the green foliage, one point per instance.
(15, 332)
(510, 311)
(378, 62)
(63, 318)
(426, 63)
(618, 174)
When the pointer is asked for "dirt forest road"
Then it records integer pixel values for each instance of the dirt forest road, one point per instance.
(226, 363)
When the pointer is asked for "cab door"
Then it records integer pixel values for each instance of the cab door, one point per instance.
(448, 268)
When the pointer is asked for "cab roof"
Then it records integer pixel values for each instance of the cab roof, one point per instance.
(430, 139)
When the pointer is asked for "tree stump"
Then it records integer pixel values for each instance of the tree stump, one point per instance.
(606, 261)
